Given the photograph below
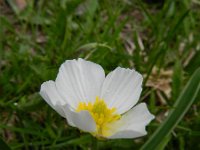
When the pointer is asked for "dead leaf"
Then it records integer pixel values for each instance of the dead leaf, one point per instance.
(21, 4)
(161, 81)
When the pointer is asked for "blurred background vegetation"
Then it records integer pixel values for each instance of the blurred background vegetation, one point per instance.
(160, 39)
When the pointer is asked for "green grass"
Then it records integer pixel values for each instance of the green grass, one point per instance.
(160, 41)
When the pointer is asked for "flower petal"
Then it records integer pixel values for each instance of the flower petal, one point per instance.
(79, 80)
(50, 94)
(82, 120)
(133, 123)
(121, 89)
(127, 134)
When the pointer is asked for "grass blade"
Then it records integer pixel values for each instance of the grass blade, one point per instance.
(181, 106)
(177, 79)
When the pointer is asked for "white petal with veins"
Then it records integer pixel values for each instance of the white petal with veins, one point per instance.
(82, 120)
(133, 123)
(50, 94)
(121, 89)
(79, 80)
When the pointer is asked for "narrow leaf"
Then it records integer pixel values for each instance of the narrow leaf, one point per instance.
(181, 106)
(177, 80)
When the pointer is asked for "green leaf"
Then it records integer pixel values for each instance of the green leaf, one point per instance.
(181, 106)
(3, 145)
(164, 142)
(177, 79)
(76, 141)
(22, 130)
(13, 6)
(193, 63)
(91, 46)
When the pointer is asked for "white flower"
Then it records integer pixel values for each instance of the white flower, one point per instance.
(97, 104)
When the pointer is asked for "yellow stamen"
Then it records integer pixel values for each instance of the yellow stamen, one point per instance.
(102, 115)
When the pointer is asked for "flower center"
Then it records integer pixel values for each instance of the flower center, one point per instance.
(102, 115)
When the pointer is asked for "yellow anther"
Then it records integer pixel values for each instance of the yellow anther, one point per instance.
(102, 115)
